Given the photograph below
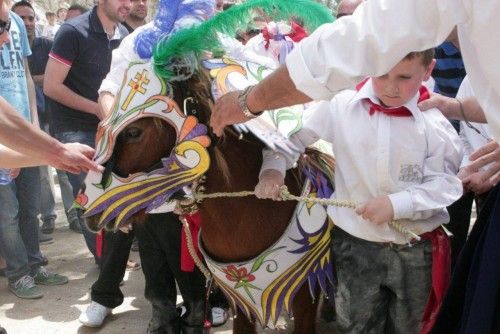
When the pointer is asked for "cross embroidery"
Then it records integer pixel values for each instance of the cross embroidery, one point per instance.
(137, 87)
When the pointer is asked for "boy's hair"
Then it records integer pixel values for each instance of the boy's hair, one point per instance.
(22, 3)
(426, 56)
(49, 14)
(78, 7)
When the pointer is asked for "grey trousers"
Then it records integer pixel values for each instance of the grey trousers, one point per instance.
(381, 287)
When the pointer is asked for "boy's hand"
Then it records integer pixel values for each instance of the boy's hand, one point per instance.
(269, 185)
(378, 210)
(14, 172)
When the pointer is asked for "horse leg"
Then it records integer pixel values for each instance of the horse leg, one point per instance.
(304, 311)
(241, 324)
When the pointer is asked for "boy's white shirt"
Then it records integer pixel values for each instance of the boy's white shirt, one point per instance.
(470, 138)
(413, 160)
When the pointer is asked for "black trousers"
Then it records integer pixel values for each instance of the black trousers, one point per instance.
(106, 290)
(460, 213)
(159, 249)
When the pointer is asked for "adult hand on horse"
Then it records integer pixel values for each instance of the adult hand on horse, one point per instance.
(378, 210)
(75, 158)
(226, 111)
(270, 181)
(486, 155)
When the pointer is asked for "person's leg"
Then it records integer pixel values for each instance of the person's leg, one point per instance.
(460, 213)
(47, 202)
(11, 243)
(106, 290)
(87, 138)
(410, 282)
(12, 246)
(28, 195)
(191, 284)
(361, 299)
(160, 287)
(67, 199)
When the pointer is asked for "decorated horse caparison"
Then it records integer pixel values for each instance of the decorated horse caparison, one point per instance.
(157, 142)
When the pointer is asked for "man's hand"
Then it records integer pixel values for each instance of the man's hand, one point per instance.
(489, 153)
(448, 106)
(269, 185)
(378, 210)
(75, 158)
(226, 111)
(478, 183)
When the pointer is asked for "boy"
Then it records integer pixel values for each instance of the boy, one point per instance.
(400, 164)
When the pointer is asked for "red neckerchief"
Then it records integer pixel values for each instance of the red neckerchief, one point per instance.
(441, 272)
(297, 34)
(396, 112)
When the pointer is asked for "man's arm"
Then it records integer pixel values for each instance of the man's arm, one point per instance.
(39, 147)
(451, 108)
(31, 94)
(54, 87)
(368, 43)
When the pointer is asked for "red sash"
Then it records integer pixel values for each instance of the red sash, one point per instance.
(441, 272)
(187, 262)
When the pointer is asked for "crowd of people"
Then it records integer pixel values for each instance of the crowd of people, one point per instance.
(403, 153)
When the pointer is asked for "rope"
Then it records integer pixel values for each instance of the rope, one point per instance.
(199, 263)
(285, 195)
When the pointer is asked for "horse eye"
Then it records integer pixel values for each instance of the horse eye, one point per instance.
(132, 133)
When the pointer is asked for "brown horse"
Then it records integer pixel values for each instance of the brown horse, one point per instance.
(235, 229)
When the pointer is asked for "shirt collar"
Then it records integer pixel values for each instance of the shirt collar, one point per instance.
(367, 92)
(96, 25)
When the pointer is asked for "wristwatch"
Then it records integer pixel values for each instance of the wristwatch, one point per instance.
(242, 100)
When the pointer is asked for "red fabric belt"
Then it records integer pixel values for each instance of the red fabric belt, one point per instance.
(187, 262)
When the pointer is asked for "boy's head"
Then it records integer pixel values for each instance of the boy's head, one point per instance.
(404, 80)
(51, 18)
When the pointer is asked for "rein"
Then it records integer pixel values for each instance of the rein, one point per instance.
(285, 195)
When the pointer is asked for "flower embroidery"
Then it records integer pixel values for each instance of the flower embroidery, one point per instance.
(235, 274)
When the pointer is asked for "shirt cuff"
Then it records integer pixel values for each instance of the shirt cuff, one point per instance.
(303, 78)
(109, 86)
(273, 160)
(402, 205)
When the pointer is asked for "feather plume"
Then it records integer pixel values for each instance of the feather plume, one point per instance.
(178, 54)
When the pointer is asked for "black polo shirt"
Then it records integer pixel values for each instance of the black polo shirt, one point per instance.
(82, 44)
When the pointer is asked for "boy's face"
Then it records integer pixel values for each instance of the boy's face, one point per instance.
(402, 82)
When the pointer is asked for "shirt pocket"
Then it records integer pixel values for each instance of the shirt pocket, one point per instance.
(408, 166)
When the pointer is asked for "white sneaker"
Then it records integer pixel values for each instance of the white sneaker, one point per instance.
(219, 316)
(94, 315)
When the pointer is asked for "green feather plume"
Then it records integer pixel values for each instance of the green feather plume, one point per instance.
(176, 55)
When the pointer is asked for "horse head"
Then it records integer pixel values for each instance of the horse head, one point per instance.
(139, 144)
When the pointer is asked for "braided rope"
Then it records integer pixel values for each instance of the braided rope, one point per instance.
(285, 195)
(199, 263)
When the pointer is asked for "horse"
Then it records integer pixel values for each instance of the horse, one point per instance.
(233, 229)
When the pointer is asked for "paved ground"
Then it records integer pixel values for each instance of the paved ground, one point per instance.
(59, 309)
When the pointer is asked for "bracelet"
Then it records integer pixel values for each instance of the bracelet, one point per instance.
(462, 113)
(242, 100)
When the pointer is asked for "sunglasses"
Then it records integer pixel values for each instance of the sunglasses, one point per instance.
(4, 26)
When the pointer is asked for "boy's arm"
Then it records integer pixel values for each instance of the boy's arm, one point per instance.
(440, 186)
(317, 125)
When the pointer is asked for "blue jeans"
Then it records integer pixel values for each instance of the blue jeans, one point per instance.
(47, 202)
(76, 180)
(19, 207)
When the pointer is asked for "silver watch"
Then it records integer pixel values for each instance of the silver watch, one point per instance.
(242, 100)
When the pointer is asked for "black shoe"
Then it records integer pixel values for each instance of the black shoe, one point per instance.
(45, 261)
(74, 225)
(2, 330)
(44, 239)
(48, 226)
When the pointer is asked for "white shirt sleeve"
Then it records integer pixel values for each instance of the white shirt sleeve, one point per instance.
(369, 42)
(317, 120)
(444, 155)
